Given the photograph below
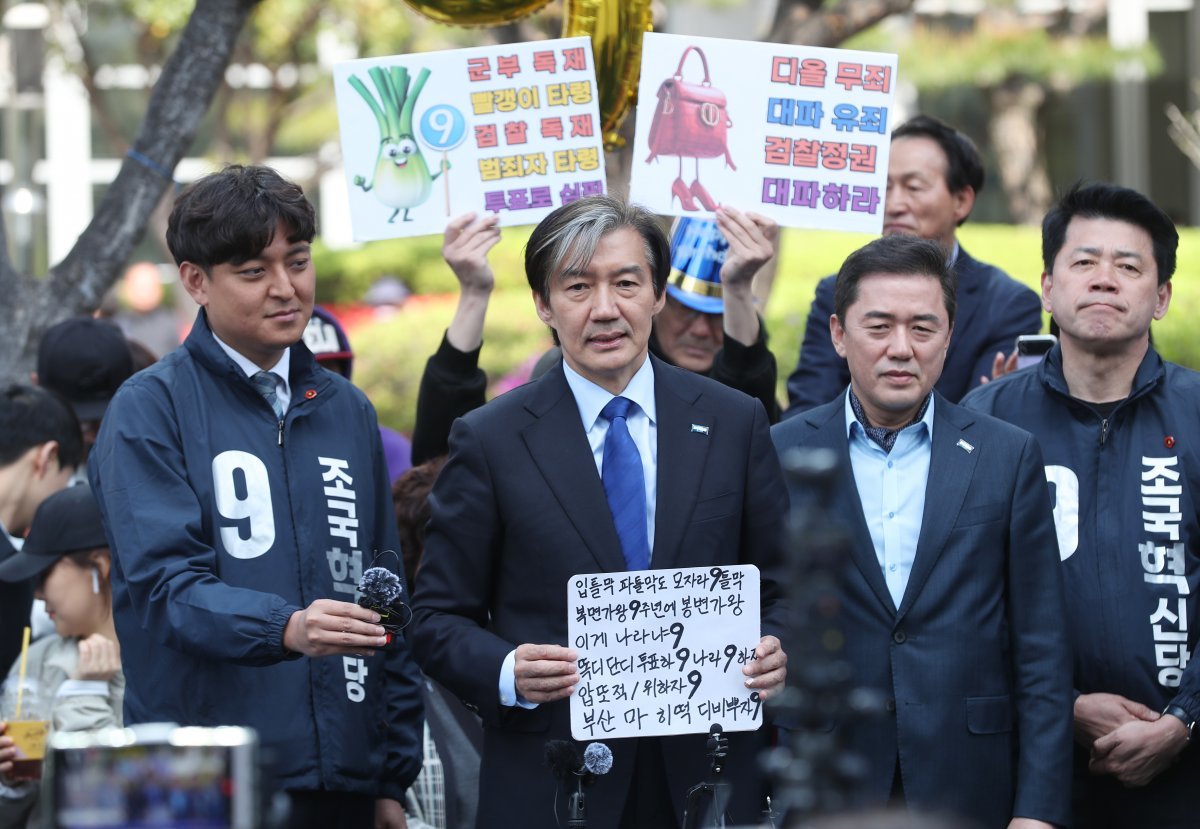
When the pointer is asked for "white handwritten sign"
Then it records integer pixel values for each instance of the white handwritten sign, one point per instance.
(513, 129)
(799, 133)
(662, 651)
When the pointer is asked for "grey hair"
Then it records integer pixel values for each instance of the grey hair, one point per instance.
(566, 240)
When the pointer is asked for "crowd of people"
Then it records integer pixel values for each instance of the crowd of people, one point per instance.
(1023, 544)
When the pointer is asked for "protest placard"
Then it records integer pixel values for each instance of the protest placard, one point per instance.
(798, 133)
(662, 651)
(513, 129)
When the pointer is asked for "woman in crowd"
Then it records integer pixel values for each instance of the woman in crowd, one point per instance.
(77, 670)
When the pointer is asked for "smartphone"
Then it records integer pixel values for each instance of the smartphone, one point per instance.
(1032, 348)
(201, 778)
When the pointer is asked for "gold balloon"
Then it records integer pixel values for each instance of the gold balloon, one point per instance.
(475, 12)
(615, 27)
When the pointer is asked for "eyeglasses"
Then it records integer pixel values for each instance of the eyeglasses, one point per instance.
(688, 315)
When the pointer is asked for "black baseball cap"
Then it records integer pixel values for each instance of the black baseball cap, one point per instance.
(66, 522)
(85, 360)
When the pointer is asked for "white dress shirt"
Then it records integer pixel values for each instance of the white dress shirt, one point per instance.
(643, 428)
(280, 371)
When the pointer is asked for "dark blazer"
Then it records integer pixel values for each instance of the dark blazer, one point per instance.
(974, 663)
(519, 509)
(993, 308)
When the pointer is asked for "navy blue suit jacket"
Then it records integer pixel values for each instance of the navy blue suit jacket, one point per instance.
(993, 308)
(519, 509)
(974, 662)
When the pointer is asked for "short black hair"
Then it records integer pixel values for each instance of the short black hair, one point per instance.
(1110, 201)
(906, 255)
(964, 167)
(568, 238)
(231, 216)
(31, 416)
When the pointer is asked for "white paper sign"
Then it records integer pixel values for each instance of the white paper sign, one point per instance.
(662, 651)
(798, 133)
(513, 129)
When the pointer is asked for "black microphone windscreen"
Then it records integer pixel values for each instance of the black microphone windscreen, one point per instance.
(562, 757)
(597, 758)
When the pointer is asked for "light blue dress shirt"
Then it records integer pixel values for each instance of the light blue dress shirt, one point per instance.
(281, 370)
(891, 489)
(642, 423)
(643, 428)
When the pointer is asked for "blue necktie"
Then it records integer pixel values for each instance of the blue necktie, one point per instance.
(625, 485)
(264, 382)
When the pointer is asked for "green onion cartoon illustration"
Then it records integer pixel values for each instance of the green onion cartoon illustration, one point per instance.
(401, 179)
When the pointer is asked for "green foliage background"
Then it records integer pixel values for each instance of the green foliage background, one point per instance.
(391, 353)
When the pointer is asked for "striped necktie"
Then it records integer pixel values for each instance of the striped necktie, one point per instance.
(264, 383)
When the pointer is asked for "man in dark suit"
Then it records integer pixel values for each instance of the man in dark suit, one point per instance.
(951, 602)
(934, 175)
(527, 500)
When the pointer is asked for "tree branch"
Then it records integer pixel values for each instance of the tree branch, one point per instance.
(802, 22)
(278, 104)
(97, 97)
(791, 13)
(1184, 133)
(177, 105)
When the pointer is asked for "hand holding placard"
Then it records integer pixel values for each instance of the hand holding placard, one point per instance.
(663, 652)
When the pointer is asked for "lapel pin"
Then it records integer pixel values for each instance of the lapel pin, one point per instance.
(700, 430)
(966, 447)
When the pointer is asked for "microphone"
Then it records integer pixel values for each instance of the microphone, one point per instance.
(706, 802)
(565, 762)
(381, 591)
(597, 759)
(563, 758)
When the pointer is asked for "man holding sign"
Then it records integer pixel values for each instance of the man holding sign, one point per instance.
(612, 461)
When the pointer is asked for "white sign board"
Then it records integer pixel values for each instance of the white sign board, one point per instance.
(662, 651)
(798, 133)
(513, 129)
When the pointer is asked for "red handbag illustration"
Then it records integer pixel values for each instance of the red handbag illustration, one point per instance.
(690, 122)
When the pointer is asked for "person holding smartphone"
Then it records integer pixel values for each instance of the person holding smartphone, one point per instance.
(1117, 426)
(1031, 349)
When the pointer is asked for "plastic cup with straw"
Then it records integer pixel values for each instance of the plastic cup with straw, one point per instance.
(21, 672)
(28, 735)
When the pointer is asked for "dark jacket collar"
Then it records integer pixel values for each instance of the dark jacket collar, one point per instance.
(304, 374)
(1149, 374)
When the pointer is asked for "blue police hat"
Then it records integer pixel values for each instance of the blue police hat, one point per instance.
(697, 253)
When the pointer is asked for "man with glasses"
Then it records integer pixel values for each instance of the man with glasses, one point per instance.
(709, 324)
